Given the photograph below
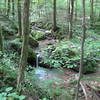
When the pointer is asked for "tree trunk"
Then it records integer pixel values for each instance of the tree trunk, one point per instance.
(91, 12)
(71, 19)
(8, 8)
(54, 15)
(19, 18)
(68, 10)
(1, 39)
(82, 52)
(13, 8)
(75, 9)
(5, 7)
(24, 52)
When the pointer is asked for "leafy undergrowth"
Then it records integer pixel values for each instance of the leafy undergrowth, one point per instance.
(10, 94)
(8, 72)
(67, 53)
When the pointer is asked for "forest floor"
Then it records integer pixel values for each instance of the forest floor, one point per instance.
(66, 78)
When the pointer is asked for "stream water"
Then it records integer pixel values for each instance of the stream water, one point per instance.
(61, 75)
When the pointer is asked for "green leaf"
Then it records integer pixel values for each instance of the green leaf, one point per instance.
(22, 97)
(44, 98)
(9, 89)
(3, 94)
(13, 95)
(3, 98)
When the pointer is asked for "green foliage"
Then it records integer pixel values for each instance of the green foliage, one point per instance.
(9, 26)
(8, 94)
(67, 54)
(7, 65)
(8, 71)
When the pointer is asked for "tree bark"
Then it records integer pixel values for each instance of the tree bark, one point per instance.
(8, 8)
(5, 6)
(19, 18)
(54, 16)
(91, 12)
(13, 8)
(24, 52)
(82, 52)
(68, 9)
(71, 19)
(75, 9)
(1, 39)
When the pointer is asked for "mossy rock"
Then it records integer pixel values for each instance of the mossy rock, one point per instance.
(38, 35)
(33, 42)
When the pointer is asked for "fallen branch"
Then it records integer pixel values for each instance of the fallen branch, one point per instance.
(84, 90)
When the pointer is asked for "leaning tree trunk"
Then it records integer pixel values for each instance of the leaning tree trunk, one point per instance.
(54, 15)
(24, 52)
(1, 39)
(91, 12)
(82, 52)
(71, 19)
(19, 18)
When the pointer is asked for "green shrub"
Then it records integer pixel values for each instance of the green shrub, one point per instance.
(8, 70)
(9, 94)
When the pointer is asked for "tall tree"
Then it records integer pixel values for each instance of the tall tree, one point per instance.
(71, 19)
(1, 39)
(54, 16)
(24, 52)
(82, 52)
(91, 12)
(19, 17)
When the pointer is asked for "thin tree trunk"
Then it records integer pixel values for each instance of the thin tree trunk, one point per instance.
(1, 39)
(71, 19)
(68, 10)
(38, 9)
(24, 52)
(5, 6)
(8, 8)
(19, 18)
(54, 15)
(82, 52)
(75, 9)
(91, 12)
(46, 13)
(13, 8)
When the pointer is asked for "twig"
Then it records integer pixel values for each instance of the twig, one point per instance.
(84, 90)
